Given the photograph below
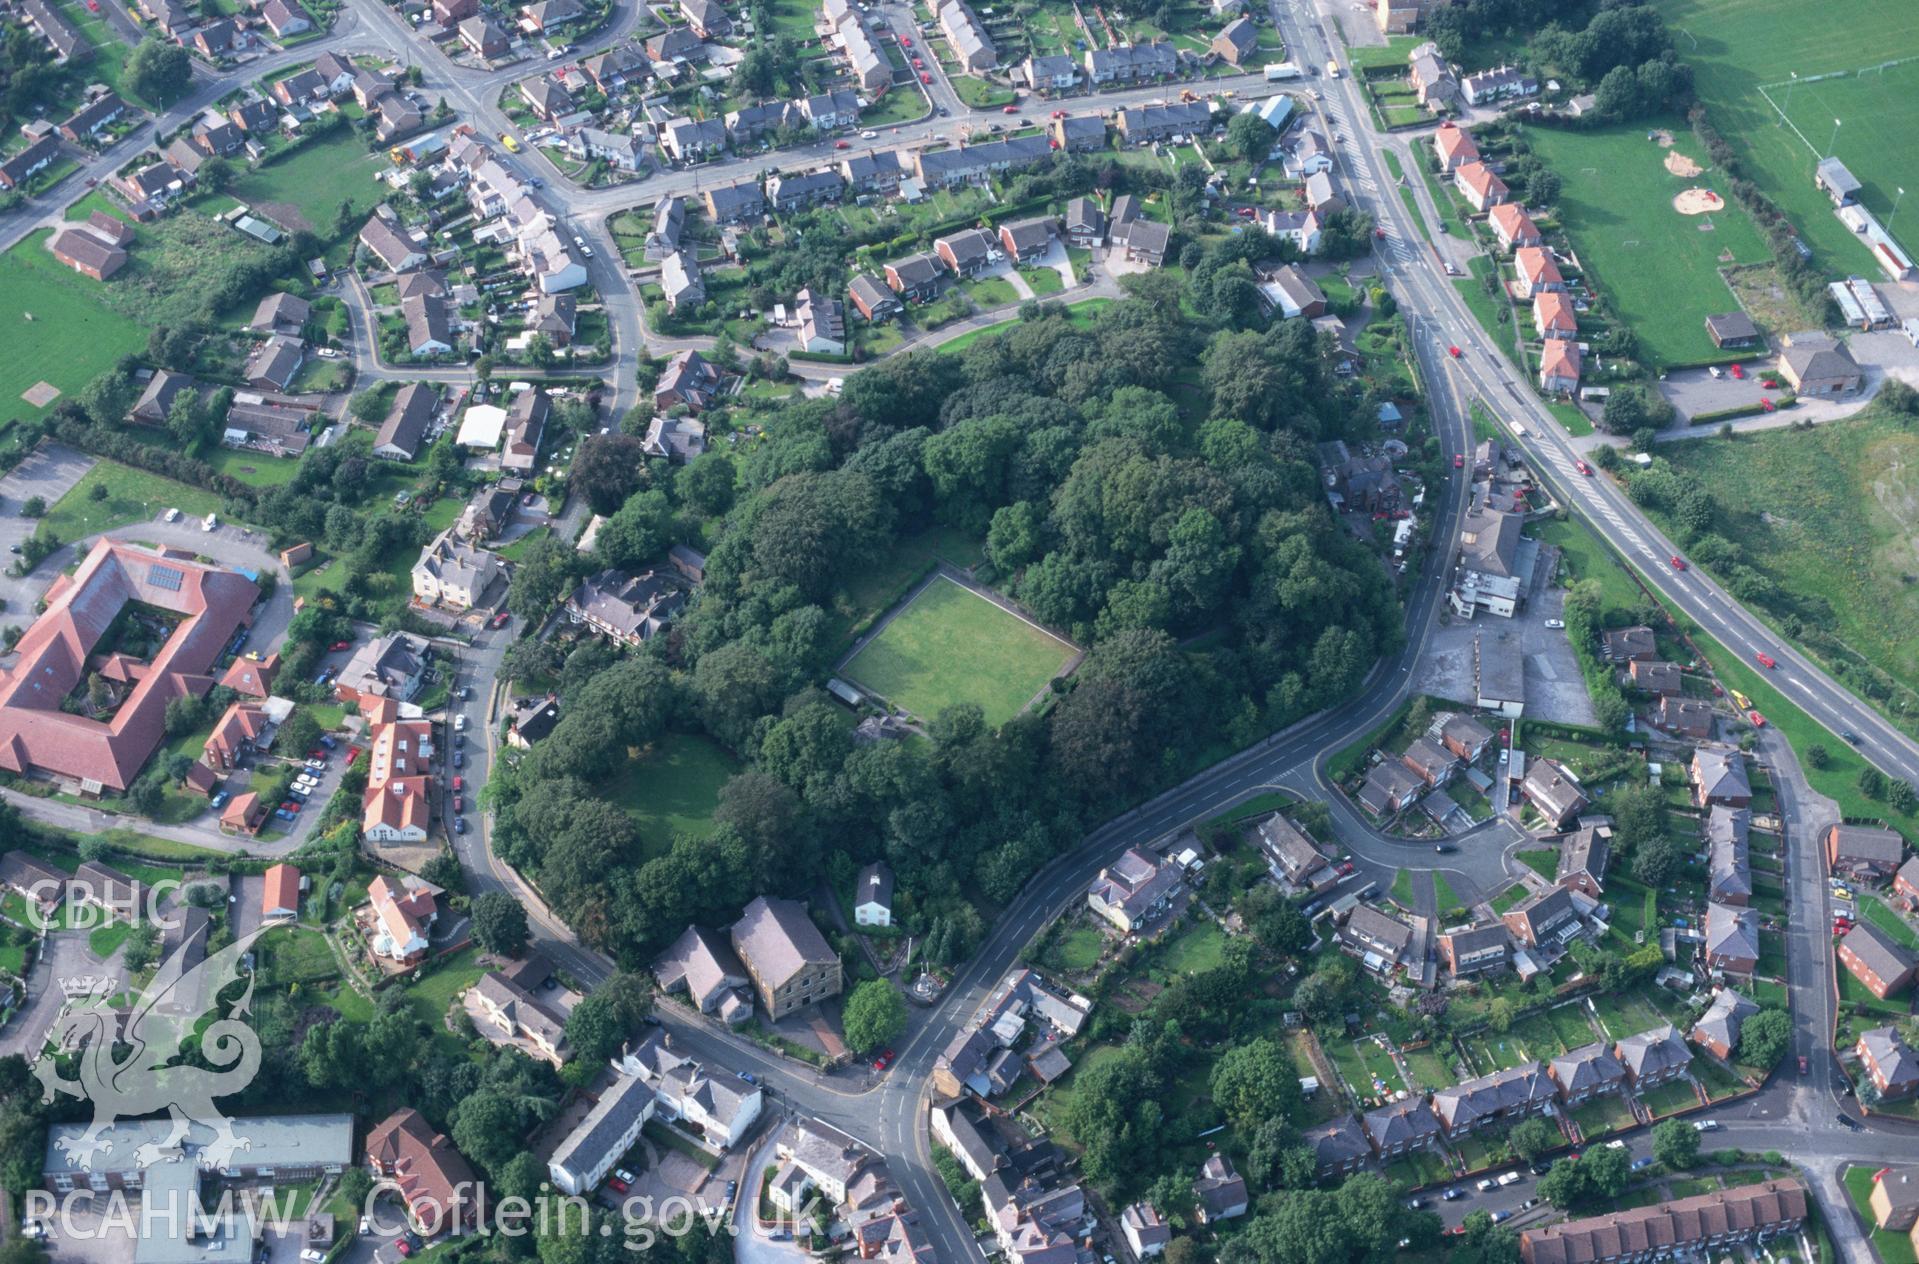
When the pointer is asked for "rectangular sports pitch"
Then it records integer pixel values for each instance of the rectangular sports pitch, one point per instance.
(1660, 267)
(950, 645)
(1857, 63)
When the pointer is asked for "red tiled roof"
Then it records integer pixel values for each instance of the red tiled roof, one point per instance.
(400, 749)
(52, 658)
(201, 778)
(243, 723)
(282, 890)
(1511, 219)
(433, 1178)
(402, 803)
(1536, 266)
(1451, 142)
(1551, 310)
(245, 812)
(1560, 358)
(252, 676)
(1479, 178)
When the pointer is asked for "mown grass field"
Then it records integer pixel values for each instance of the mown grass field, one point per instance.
(1736, 46)
(316, 178)
(951, 646)
(1845, 529)
(673, 788)
(57, 329)
(1660, 268)
(132, 496)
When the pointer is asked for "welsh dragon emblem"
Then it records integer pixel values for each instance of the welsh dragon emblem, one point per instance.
(158, 1029)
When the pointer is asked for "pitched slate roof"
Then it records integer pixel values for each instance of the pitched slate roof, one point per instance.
(1656, 1052)
(1721, 1022)
(1587, 1069)
(1728, 853)
(1732, 932)
(1516, 1088)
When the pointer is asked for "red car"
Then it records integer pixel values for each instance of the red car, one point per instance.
(291, 805)
(1802, 1064)
(1770, 383)
(925, 78)
(615, 1184)
(1758, 721)
(1766, 405)
(459, 783)
(459, 803)
(1247, 212)
(1453, 352)
(917, 65)
(1009, 109)
(1583, 468)
(352, 753)
(93, 6)
(841, 144)
(1459, 460)
(1059, 113)
(906, 41)
(405, 1248)
(1738, 371)
(1765, 661)
(883, 1061)
(499, 620)
(337, 646)
(1345, 868)
(1379, 233)
(1678, 563)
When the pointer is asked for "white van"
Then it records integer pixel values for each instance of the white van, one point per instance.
(211, 521)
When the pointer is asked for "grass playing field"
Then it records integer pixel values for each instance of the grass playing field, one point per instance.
(57, 330)
(132, 496)
(1661, 268)
(1738, 47)
(950, 646)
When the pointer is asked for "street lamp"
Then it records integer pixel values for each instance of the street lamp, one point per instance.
(1832, 150)
(1895, 210)
(1788, 110)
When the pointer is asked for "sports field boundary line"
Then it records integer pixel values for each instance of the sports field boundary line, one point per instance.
(1765, 90)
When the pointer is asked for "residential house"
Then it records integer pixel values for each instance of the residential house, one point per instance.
(548, 98)
(390, 666)
(1301, 228)
(1050, 72)
(708, 20)
(483, 36)
(1905, 883)
(1553, 315)
(916, 278)
(1293, 294)
(510, 1013)
(403, 916)
(877, 171)
(1560, 366)
(101, 886)
(1889, 1063)
(966, 252)
(546, 15)
(1085, 223)
(690, 381)
(251, 676)
(801, 190)
(1625, 645)
(1536, 273)
(429, 330)
(1134, 890)
(1379, 940)
(1728, 855)
(703, 964)
(1289, 853)
(1131, 64)
(873, 895)
(692, 140)
(1515, 229)
(873, 299)
(822, 324)
(602, 1138)
(1877, 960)
(1502, 83)
(966, 36)
(1705, 1226)
(1583, 856)
(831, 111)
(629, 609)
(675, 438)
(1465, 737)
(1470, 949)
(84, 125)
(390, 243)
(1895, 1199)
(674, 44)
(1732, 938)
(280, 893)
(681, 282)
(1401, 1127)
(285, 18)
(1685, 717)
(452, 573)
(1454, 146)
(790, 962)
(1220, 1189)
(1502, 1097)
(1142, 241)
(1717, 1030)
(1079, 133)
(1144, 1229)
(404, 428)
(1481, 187)
(1544, 918)
(1026, 240)
(1432, 79)
(1145, 124)
(1863, 853)
(1429, 761)
(1651, 1058)
(431, 1177)
(720, 1108)
(529, 720)
(68, 43)
(1587, 1072)
(1389, 787)
(1719, 776)
(1664, 679)
(734, 203)
(1553, 792)
(1236, 42)
(623, 150)
(242, 729)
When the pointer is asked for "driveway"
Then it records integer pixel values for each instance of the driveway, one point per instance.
(65, 956)
(49, 472)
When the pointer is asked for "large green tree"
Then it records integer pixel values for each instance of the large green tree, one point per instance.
(873, 1016)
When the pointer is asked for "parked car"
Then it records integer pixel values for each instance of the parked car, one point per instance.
(499, 620)
(219, 799)
(459, 759)
(459, 803)
(1453, 1194)
(337, 646)
(459, 783)
(459, 825)
(1556, 624)
(1459, 460)
(1706, 1125)
(1766, 661)
(329, 741)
